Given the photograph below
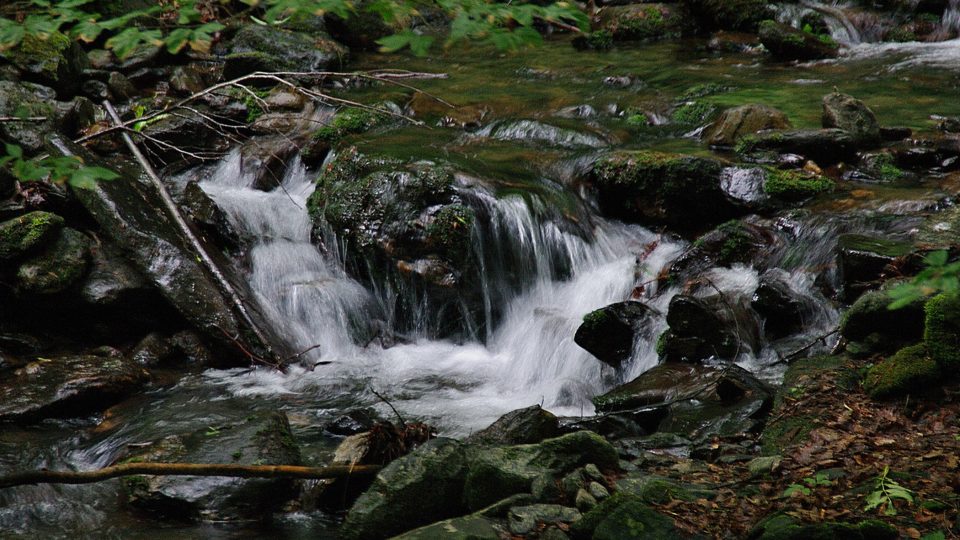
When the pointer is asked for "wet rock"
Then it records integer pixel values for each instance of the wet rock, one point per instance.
(472, 527)
(526, 519)
(26, 233)
(713, 386)
(853, 116)
(76, 115)
(120, 86)
(113, 283)
(56, 61)
(787, 43)
(59, 266)
(733, 42)
(911, 371)
(697, 331)
(266, 48)
(878, 167)
(422, 487)
(190, 348)
(189, 133)
(863, 260)
(263, 438)
(781, 308)
(34, 101)
(649, 186)
(522, 426)
(67, 386)
(734, 123)
(640, 22)
(128, 213)
(534, 132)
(609, 333)
(211, 221)
(949, 124)
(152, 351)
(95, 90)
(352, 423)
(495, 473)
(824, 146)
(736, 241)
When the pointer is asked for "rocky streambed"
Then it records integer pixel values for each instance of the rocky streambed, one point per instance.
(637, 292)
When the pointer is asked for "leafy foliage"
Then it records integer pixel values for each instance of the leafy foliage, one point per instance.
(68, 170)
(818, 480)
(886, 491)
(939, 275)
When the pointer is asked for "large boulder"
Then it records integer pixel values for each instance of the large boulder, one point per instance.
(262, 438)
(787, 43)
(656, 187)
(700, 329)
(522, 426)
(417, 489)
(782, 309)
(747, 119)
(55, 60)
(870, 326)
(266, 48)
(609, 333)
(864, 260)
(851, 115)
(68, 386)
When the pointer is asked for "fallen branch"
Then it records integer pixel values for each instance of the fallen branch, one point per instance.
(23, 118)
(786, 359)
(185, 469)
(171, 208)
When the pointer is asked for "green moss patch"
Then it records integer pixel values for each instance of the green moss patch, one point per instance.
(911, 370)
(942, 331)
(794, 185)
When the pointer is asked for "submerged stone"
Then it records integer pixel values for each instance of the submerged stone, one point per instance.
(263, 438)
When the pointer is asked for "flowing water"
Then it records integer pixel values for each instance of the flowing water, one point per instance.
(547, 259)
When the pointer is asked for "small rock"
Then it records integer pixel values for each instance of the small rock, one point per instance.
(20, 235)
(58, 267)
(584, 501)
(597, 490)
(525, 519)
(120, 87)
(523, 426)
(764, 465)
(610, 332)
(851, 115)
(744, 120)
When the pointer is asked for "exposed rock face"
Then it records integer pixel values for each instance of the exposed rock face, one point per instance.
(609, 333)
(744, 120)
(67, 386)
(787, 43)
(263, 438)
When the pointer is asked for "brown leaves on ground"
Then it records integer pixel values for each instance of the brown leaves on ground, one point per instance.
(834, 468)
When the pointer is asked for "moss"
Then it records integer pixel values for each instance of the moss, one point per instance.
(601, 40)
(737, 243)
(644, 23)
(449, 232)
(794, 185)
(22, 234)
(624, 516)
(46, 53)
(693, 112)
(349, 121)
(911, 370)
(885, 168)
(942, 331)
(704, 90)
(252, 102)
(661, 346)
(784, 527)
(637, 120)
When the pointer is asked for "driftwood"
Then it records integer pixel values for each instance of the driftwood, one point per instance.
(185, 469)
(171, 208)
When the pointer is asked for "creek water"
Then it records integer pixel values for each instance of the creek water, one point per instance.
(542, 269)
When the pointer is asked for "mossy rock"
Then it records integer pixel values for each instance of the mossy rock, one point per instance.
(941, 333)
(736, 122)
(30, 100)
(793, 185)
(265, 48)
(473, 527)
(874, 328)
(735, 15)
(784, 527)
(851, 115)
(787, 43)
(56, 61)
(522, 426)
(25, 233)
(642, 22)
(609, 333)
(58, 267)
(659, 187)
(910, 371)
(349, 121)
(625, 516)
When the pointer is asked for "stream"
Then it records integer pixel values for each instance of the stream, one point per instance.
(541, 270)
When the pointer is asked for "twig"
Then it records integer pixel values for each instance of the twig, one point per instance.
(185, 469)
(171, 207)
(23, 119)
(383, 399)
(792, 356)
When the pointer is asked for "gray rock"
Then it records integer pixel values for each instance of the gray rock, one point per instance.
(67, 386)
(263, 438)
(265, 48)
(463, 528)
(58, 267)
(747, 119)
(852, 115)
(523, 426)
(525, 519)
(584, 501)
(32, 100)
(120, 87)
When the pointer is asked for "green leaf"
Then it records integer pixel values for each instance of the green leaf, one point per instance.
(11, 34)
(86, 31)
(87, 177)
(394, 43)
(936, 258)
(14, 151)
(177, 40)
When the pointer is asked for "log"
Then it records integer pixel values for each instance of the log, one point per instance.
(44, 476)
